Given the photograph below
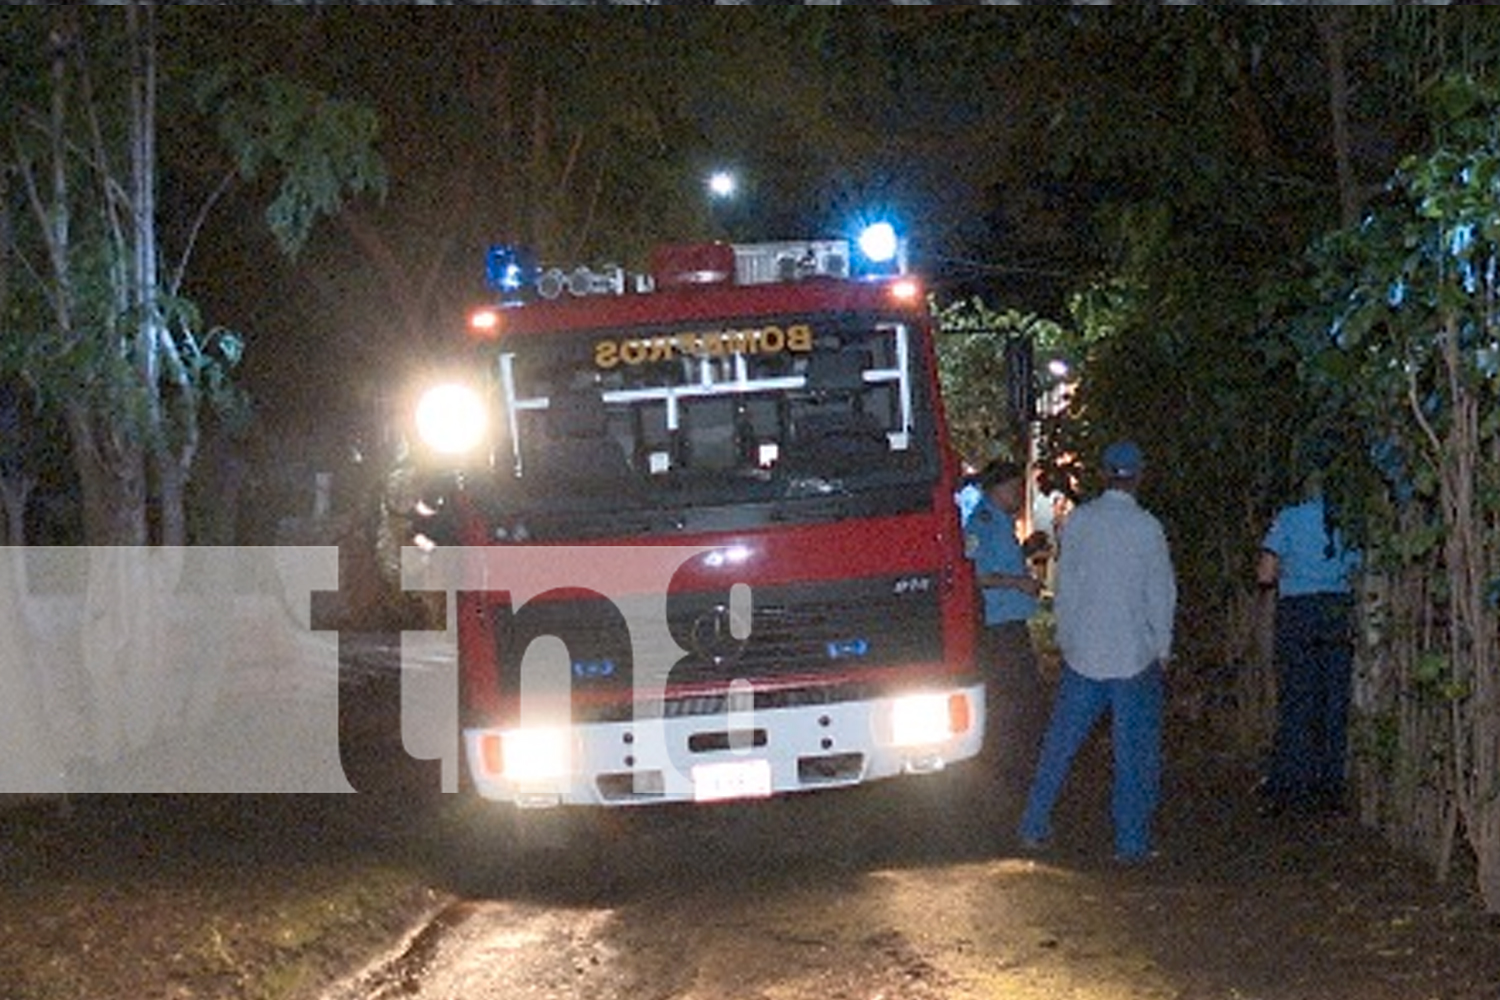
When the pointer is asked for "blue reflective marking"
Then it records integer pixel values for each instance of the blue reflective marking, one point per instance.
(840, 649)
(589, 669)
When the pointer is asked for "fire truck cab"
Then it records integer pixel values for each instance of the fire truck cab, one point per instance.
(771, 407)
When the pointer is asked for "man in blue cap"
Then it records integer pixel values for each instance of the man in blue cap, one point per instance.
(1116, 595)
(1015, 705)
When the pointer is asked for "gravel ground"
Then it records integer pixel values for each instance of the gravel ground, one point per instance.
(277, 897)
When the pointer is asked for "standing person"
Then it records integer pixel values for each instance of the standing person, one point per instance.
(1010, 592)
(1115, 600)
(1305, 558)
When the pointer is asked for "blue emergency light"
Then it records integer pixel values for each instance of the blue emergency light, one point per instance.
(511, 272)
(881, 251)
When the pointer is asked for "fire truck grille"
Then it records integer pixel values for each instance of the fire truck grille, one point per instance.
(809, 644)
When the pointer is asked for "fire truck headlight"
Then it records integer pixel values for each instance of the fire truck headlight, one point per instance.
(534, 755)
(451, 419)
(926, 719)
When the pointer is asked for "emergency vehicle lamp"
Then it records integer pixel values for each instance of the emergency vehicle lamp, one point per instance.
(536, 754)
(451, 419)
(882, 251)
(925, 719)
(511, 272)
(878, 243)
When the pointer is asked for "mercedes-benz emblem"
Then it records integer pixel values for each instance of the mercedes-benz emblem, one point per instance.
(719, 634)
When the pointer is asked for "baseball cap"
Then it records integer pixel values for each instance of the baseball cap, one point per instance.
(1000, 471)
(1123, 460)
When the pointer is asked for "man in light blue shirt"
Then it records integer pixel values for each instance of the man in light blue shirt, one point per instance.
(1115, 599)
(1305, 558)
(1014, 705)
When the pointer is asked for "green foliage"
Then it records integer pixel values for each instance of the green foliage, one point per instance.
(321, 149)
(1434, 677)
(1171, 351)
(88, 324)
(207, 358)
(1405, 320)
(984, 365)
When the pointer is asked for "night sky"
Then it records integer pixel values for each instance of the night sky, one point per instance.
(384, 286)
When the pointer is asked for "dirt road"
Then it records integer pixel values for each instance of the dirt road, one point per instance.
(903, 891)
(862, 896)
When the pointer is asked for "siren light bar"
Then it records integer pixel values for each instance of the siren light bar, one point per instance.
(513, 273)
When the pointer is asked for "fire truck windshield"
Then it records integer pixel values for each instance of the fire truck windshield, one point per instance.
(685, 420)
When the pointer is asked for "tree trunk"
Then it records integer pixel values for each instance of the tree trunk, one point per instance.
(171, 498)
(1473, 641)
(1331, 23)
(112, 475)
(1484, 721)
(15, 490)
(172, 425)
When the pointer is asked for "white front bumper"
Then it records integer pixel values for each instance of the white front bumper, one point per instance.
(742, 755)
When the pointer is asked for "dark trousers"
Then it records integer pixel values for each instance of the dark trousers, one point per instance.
(1016, 704)
(1314, 661)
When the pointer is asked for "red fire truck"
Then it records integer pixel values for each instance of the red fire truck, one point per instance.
(777, 410)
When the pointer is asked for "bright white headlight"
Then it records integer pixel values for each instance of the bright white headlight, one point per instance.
(451, 419)
(538, 754)
(924, 719)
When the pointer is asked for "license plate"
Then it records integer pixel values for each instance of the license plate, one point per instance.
(736, 779)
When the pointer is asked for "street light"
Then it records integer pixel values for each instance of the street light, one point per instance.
(723, 188)
(721, 184)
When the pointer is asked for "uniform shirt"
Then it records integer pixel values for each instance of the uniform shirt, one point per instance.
(967, 499)
(1298, 537)
(1116, 590)
(990, 541)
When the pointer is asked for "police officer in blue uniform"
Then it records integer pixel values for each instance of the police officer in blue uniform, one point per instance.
(1307, 561)
(1016, 705)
